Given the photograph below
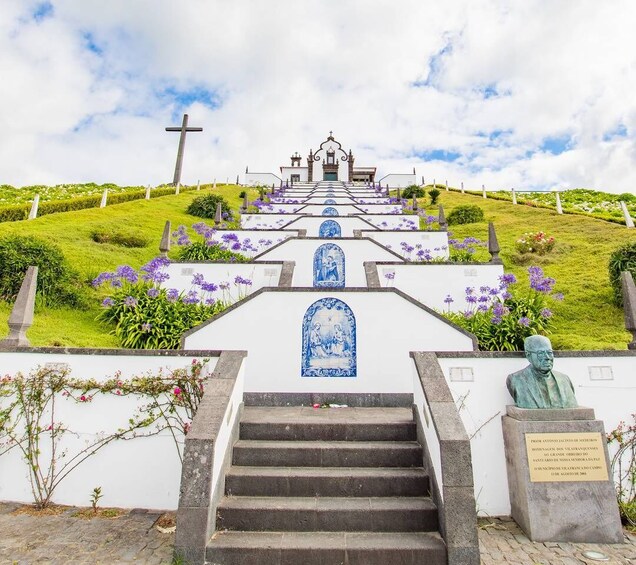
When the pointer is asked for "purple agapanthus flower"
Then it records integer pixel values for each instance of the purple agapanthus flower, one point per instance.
(209, 287)
(108, 302)
(130, 301)
(524, 321)
(127, 273)
(172, 295)
(152, 292)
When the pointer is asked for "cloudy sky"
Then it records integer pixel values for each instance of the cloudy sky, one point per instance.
(525, 93)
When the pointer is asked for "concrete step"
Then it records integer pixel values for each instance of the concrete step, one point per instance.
(325, 548)
(304, 423)
(327, 453)
(327, 514)
(326, 481)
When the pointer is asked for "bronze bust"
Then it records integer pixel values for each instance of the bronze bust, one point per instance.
(538, 386)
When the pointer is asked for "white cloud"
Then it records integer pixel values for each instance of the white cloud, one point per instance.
(89, 88)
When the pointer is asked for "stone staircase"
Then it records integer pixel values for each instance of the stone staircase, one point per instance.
(326, 486)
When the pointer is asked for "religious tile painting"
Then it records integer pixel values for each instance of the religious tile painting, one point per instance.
(330, 228)
(329, 201)
(329, 340)
(329, 211)
(329, 266)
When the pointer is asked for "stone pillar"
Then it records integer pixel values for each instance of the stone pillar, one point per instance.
(446, 185)
(629, 306)
(237, 180)
(462, 187)
(102, 204)
(218, 215)
(148, 192)
(21, 317)
(628, 219)
(198, 184)
(178, 188)
(493, 245)
(514, 196)
(483, 191)
(559, 208)
(164, 246)
(441, 218)
(214, 185)
(34, 207)
(559, 477)
(414, 202)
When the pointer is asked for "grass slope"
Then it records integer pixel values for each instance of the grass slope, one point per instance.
(585, 320)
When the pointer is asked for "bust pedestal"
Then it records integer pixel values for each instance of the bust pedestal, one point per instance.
(558, 475)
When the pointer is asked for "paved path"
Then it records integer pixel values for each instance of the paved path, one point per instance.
(132, 538)
(502, 542)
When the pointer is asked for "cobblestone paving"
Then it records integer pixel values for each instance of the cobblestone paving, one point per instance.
(501, 541)
(132, 538)
(63, 539)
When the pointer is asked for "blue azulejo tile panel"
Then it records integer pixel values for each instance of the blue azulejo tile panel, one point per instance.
(329, 201)
(330, 228)
(329, 266)
(329, 211)
(329, 340)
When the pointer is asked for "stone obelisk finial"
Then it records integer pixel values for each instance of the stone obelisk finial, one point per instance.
(493, 245)
(164, 246)
(629, 305)
(21, 317)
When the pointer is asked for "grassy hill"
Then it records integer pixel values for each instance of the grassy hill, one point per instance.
(586, 319)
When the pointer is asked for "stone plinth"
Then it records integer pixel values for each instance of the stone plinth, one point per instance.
(559, 480)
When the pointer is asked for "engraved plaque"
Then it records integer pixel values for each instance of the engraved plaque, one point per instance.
(561, 457)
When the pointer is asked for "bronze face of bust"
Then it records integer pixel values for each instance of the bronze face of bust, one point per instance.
(538, 386)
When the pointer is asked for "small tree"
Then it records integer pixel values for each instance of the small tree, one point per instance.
(433, 195)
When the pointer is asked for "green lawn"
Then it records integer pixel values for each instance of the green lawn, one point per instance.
(586, 319)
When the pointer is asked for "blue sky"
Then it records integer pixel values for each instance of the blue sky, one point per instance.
(479, 92)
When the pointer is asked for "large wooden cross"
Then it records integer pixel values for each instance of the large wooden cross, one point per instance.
(183, 129)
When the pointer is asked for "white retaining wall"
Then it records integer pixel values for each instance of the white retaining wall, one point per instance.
(269, 327)
(356, 252)
(431, 283)
(396, 180)
(266, 221)
(263, 179)
(260, 240)
(343, 209)
(430, 240)
(407, 222)
(347, 224)
(261, 274)
(142, 472)
(483, 401)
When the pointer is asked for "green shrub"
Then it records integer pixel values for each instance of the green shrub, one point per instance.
(15, 213)
(201, 251)
(409, 191)
(242, 194)
(119, 237)
(621, 259)
(465, 214)
(205, 207)
(56, 284)
(433, 195)
(626, 197)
